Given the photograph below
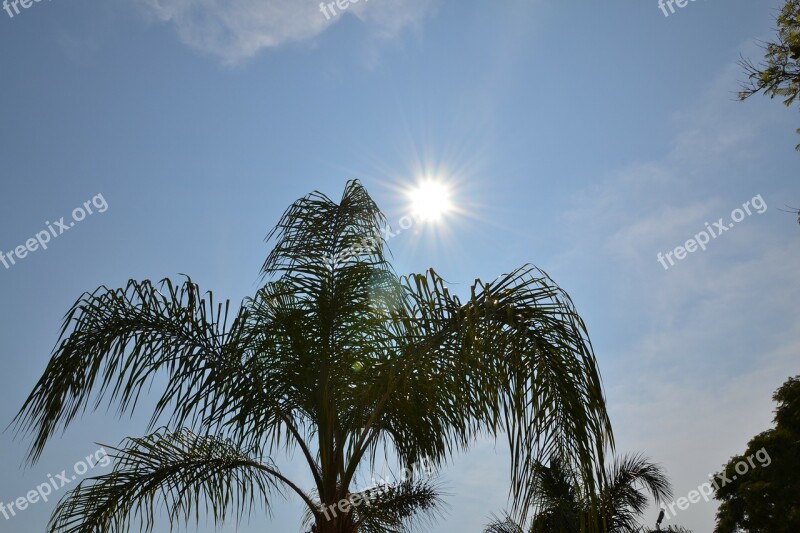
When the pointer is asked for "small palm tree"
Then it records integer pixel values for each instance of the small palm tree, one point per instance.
(335, 357)
(565, 505)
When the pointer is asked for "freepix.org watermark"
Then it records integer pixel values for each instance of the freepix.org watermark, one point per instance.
(371, 243)
(54, 484)
(664, 4)
(712, 231)
(706, 490)
(378, 488)
(8, 5)
(53, 230)
(329, 8)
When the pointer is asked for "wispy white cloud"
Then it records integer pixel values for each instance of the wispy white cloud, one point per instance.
(696, 351)
(236, 30)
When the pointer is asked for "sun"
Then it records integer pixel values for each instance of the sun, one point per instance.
(430, 200)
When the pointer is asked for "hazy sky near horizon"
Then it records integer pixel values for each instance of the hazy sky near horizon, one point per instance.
(585, 139)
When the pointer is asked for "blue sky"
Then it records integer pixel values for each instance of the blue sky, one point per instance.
(584, 139)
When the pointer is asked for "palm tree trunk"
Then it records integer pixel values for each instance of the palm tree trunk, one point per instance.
(340, 524)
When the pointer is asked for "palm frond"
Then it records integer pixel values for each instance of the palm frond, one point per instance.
(315, 236)
(179, 471)
(113, 342)
(399, 508)
(504, 524)
(513, 358)
(629, 479)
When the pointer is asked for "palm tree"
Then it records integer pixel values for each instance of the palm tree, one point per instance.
(564, 504)
(558, 499)
(335, 357)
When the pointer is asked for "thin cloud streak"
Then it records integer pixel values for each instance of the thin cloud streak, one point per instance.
(693, 354)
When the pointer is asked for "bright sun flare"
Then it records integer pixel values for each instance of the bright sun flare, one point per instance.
(430, 200)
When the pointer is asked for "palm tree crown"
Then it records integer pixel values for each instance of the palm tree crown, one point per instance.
(564, 503)
(336, 357)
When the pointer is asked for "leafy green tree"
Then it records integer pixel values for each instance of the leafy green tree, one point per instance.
(564, 503)
(779, 74)
(760, 491)
(335, 357)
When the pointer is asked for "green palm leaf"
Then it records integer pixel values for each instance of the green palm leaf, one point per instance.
(178, 471)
